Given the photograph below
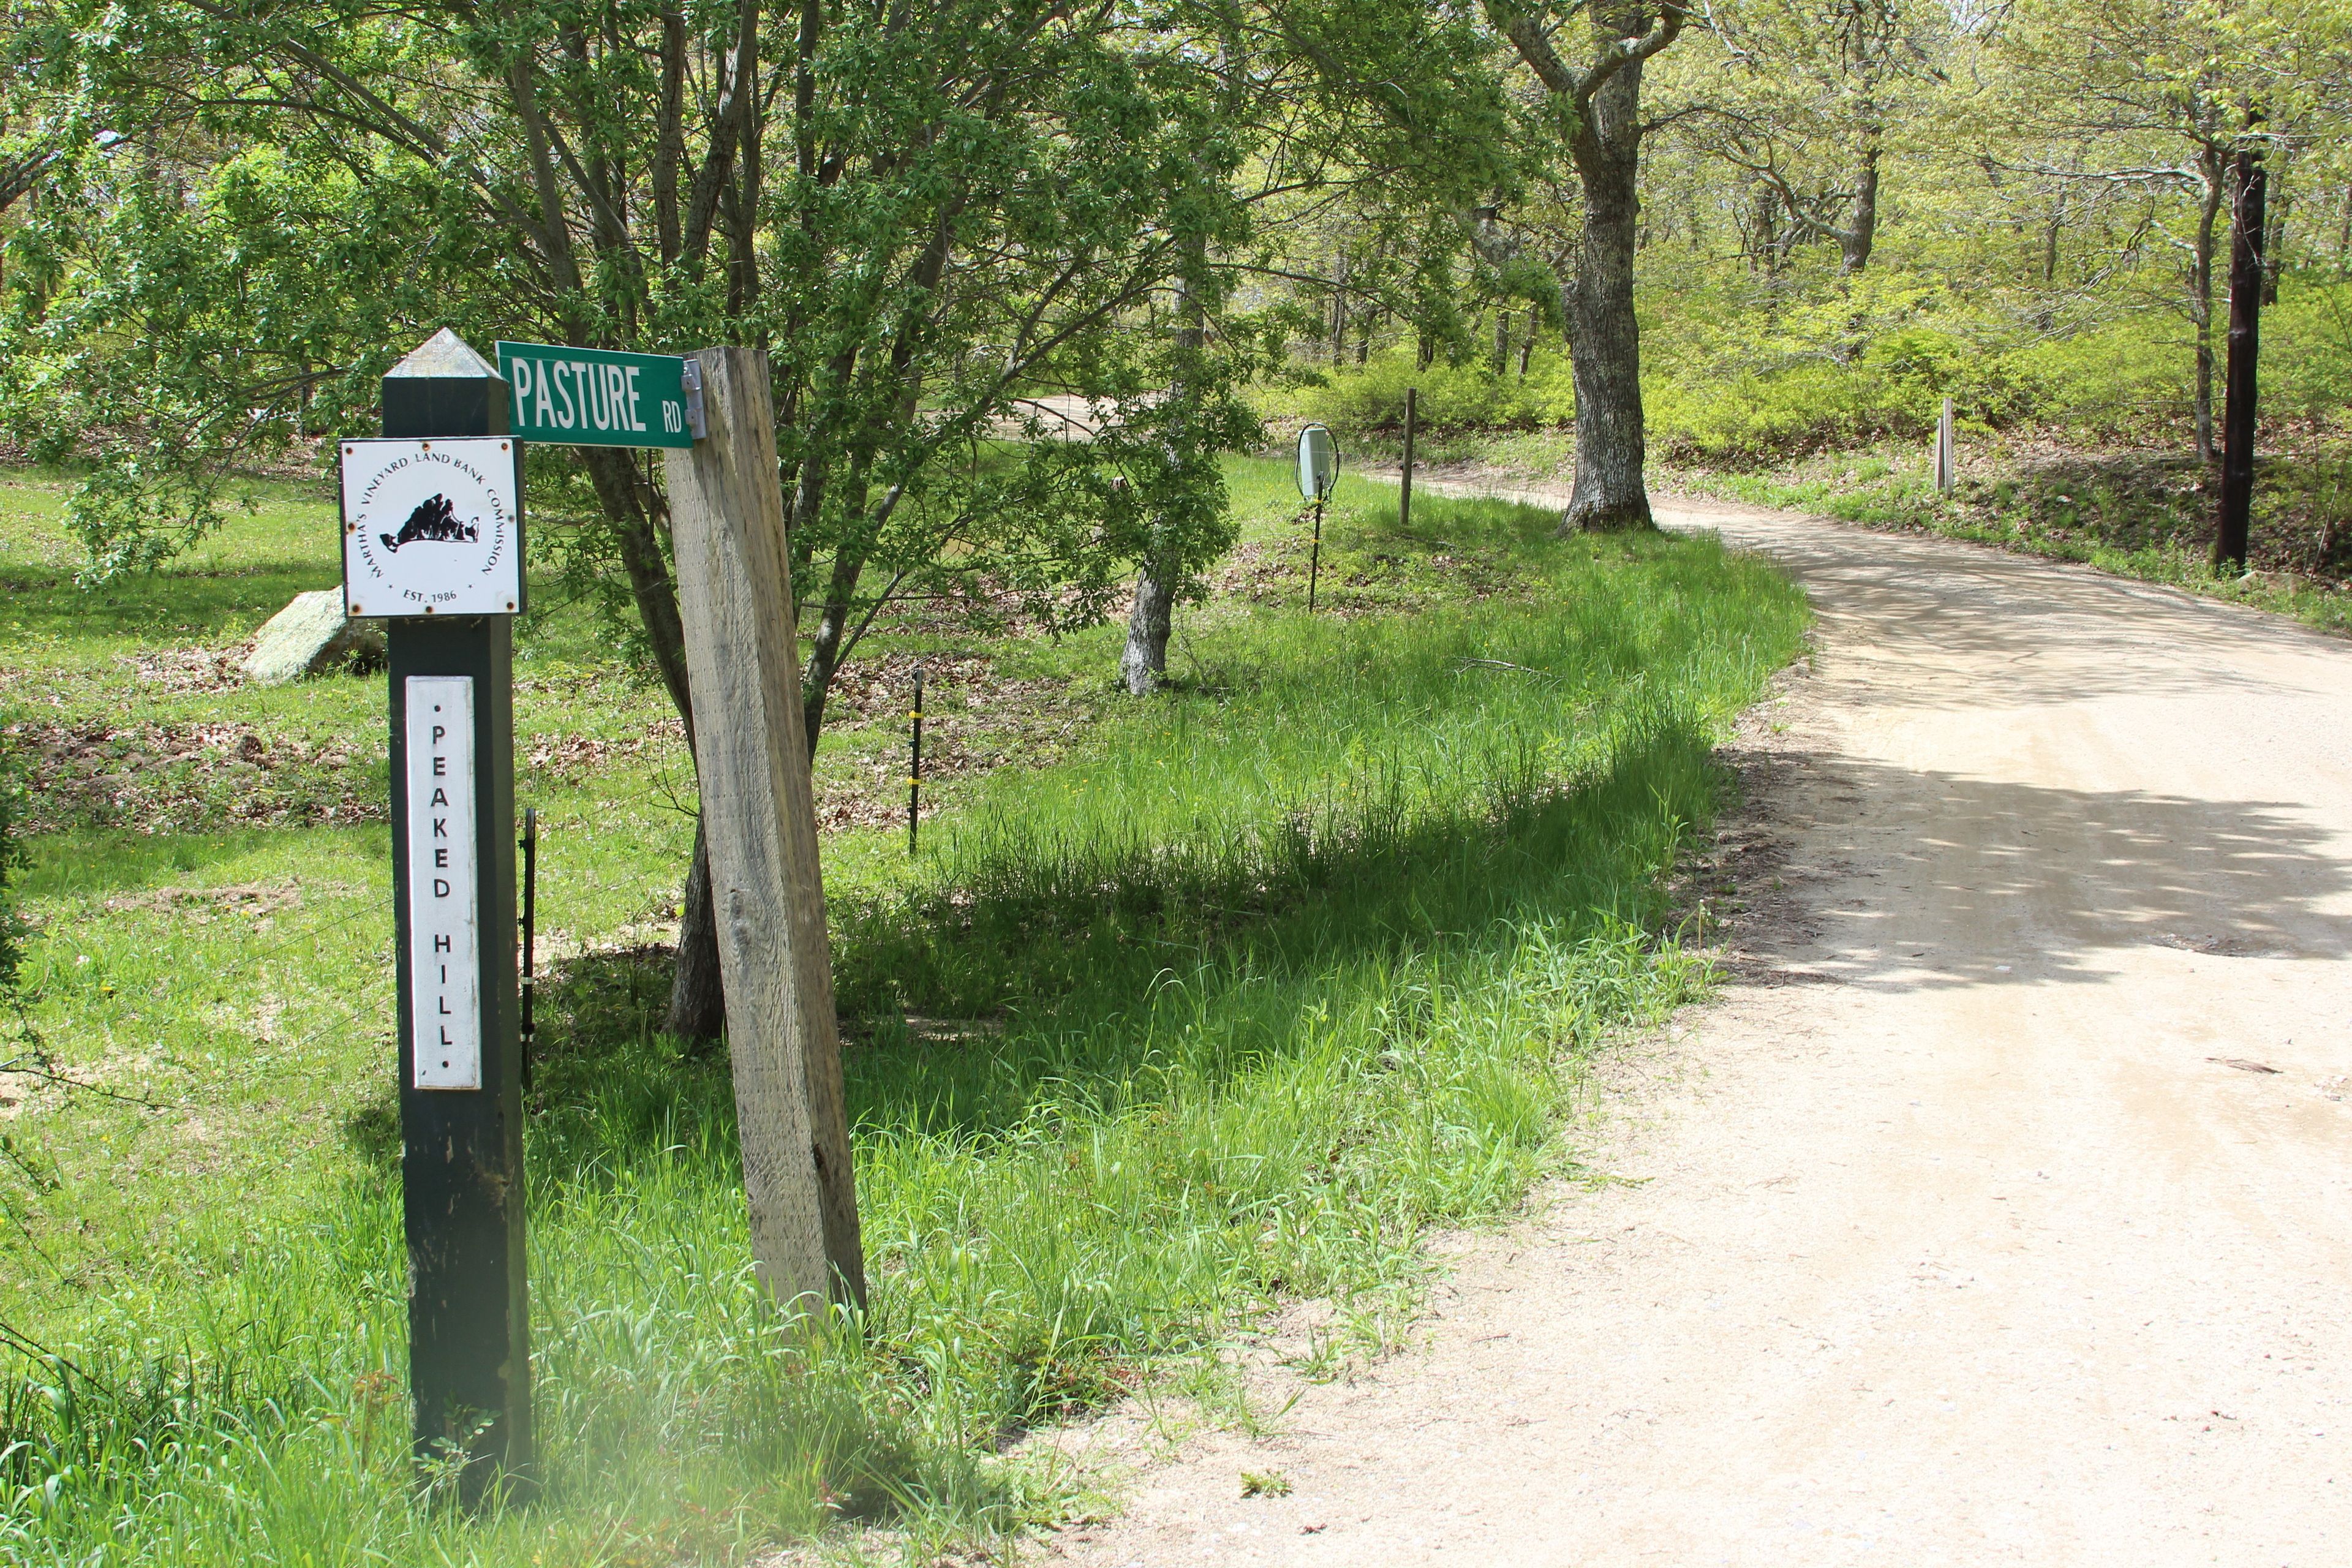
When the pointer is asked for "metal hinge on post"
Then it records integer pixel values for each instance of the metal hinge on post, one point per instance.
(690, 375)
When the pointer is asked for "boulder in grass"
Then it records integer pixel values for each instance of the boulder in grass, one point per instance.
(311, 636)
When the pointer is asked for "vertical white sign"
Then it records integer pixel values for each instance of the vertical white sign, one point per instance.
(444, 941)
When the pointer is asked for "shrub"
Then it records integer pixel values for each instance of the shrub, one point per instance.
(1733, 385)
(1355, 400)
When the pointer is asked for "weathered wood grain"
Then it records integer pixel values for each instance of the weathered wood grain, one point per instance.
(727, 526)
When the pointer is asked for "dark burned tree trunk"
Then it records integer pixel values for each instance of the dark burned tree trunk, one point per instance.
(1604, 343)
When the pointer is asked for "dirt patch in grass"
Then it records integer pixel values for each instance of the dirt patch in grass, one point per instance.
(572, 757)
(186, 777)
(184, 669)
(1381, 575)
(976, 718)
(243, 900)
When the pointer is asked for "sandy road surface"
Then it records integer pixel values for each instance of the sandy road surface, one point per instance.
(1955, 1244)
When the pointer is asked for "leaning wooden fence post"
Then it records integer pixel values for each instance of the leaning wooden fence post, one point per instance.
(750, 752)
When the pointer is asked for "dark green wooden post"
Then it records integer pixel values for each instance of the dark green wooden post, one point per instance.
(461, 1161)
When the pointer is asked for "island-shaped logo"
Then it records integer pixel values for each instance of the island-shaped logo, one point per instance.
(435, 520)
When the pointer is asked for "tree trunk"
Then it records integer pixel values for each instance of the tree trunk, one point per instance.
(1143, 663)
(1855, 240)
(1603, 340)
(2246, 283)
(698, 999)
(2200, 298)
(1763, 235)
(2050, 233)
(829, 646)
(1339, 309)
(697, 1006)
(2275, 234)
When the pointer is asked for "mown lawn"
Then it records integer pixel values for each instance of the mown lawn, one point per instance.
(1190, 1006)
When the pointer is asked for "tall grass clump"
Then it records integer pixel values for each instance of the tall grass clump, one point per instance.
(1275, 972)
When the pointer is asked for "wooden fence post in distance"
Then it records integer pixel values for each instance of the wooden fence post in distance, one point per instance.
(750, 752)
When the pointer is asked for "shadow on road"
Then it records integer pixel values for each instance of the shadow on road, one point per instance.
(1921, 880)
(1967, 627)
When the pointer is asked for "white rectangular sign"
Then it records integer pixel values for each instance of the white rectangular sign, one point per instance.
(432, 528)
(444, 936)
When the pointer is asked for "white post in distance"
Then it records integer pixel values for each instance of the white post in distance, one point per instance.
(1948, 456)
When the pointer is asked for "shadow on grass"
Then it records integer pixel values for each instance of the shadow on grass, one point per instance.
(159, 608)
(1038, 964)
(100, 862)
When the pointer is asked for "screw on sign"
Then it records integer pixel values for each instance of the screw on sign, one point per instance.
(433, 526)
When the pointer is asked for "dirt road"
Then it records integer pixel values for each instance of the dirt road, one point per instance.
(2002, 1212)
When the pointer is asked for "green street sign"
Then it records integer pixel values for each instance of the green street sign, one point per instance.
(595, 398)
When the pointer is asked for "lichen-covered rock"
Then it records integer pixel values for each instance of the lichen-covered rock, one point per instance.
(310, 636)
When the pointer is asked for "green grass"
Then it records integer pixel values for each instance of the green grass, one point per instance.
(1226, 1004)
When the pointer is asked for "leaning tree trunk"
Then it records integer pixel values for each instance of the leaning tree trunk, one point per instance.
(697, 998)
(697, 1007)
(1604, 343)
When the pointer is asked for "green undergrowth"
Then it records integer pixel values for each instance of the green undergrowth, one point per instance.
(1738, 379)
(1262, 979)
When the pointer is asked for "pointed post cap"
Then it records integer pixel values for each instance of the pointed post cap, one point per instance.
(444, 356)
(444, 388)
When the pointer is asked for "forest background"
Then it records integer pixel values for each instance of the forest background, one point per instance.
(1750, 249)
(224, 221)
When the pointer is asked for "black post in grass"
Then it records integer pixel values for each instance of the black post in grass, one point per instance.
(1405, 484)
(914, 766)
(1319, 470)
(1314, 557)
(461, 1158)
(530, 1030)
(2246, 279)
